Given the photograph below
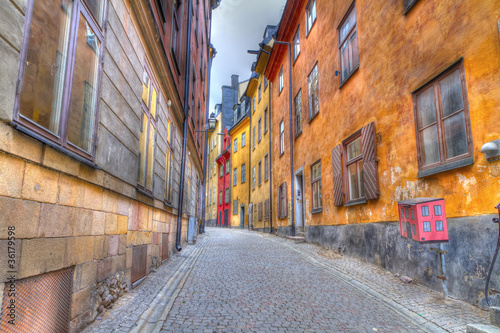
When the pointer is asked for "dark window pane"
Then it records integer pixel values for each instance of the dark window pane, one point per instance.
(97, 9)
(354, 51)
(142, 149)
(43, 80)
(431, 145)
(456, 135)
(426, 109)
(353, 188)
(451, 93)
(84, 90)
(412, 214)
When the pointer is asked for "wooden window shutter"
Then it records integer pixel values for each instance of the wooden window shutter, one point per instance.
(285, 195)
(337, 176)
(370, 164)
(279, 202)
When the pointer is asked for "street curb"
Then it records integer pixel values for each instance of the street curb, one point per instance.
(152, 319)
(423, 323)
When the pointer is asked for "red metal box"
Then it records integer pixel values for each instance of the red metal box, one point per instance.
(423, 220)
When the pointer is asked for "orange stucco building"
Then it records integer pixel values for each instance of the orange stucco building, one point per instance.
(390, 100)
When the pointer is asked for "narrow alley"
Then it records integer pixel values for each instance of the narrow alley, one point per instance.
(236, 280)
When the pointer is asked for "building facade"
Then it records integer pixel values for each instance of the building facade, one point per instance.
(239, 163)
(92, 116)
(214, 150)
(224, 182)
(382, 113)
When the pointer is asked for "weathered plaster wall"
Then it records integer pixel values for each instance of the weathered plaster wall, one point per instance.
(395, 59)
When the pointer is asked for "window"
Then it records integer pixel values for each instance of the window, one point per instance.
(235, 207)
(176, 41)
(221, 168)
(317, 197)
(266, 210)
(169, 163)
(313, 92)
(227, 195)
(414, 229)
(53, 68)
(253, 138)
(412, 214)
(439, 226)
(259, 127)
(310, 15)
(265, 83)
(425, 211)
(408, 4)
(348, 44)
(243, 139)
(282, 201)
(215, 191)
(437, 210)
(266, 167)
(235, 176)
(355, 165)
(443, 123)
(235, 145)
(253, 105)
(282, 137)
(280, 80)
(260, 172)
(147, 135)
(260, 91)
(298, 113)
(296, 44)
(260, 211)
(220, 198)
(227, 167)
(243, 171)
(427, 226)
(253, 178)
(266, 121)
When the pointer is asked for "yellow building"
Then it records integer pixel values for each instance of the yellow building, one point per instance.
(240, 156)
(260, 159)
(214, 150)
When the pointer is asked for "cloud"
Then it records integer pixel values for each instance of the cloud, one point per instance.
(238, 26)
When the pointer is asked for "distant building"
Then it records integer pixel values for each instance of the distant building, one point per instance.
(224, 182)
(214, 150)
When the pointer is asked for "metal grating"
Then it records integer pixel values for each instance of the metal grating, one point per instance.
(42, 303)
(139, 262)
(164, 246)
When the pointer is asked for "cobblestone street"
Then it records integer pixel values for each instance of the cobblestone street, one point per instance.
(247, 281)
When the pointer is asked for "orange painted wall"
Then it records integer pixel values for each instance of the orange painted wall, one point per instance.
(398, 53)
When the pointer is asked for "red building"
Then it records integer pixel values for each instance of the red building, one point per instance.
(224, 184)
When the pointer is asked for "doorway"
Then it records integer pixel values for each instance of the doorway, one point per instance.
(250, 216)
(226, 218)
(242, 216)
(299, 199)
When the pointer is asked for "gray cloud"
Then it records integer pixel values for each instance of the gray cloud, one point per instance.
(238, 26)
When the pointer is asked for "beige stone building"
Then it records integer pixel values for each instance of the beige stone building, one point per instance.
(92, 178)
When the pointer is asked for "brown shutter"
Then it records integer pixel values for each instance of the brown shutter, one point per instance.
(337, 175)
(369, 150)
(285, 195)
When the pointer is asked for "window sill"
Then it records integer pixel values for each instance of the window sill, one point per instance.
(317, 210)
(312, 118)
(297, 135)
(144, 192)
(446, 167)
(348, 77)
(168, 204)
(355, 202)
(308, 31)
(409, 7)
(295, 60)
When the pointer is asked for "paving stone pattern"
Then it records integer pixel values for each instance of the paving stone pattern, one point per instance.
(248, 281)
(452, 315)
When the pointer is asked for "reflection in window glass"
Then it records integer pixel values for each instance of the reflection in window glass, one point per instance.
(43, 78)
(427, 226)
(437, 210)
(439, 226)
(83, 93)
(425, 211)
(97, 9)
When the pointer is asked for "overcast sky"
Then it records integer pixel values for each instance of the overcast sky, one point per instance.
(238, 26)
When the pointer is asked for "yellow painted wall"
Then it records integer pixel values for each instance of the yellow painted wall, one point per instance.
(261, 192)
(239, 190)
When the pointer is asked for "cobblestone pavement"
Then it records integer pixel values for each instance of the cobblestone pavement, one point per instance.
(247, 281)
